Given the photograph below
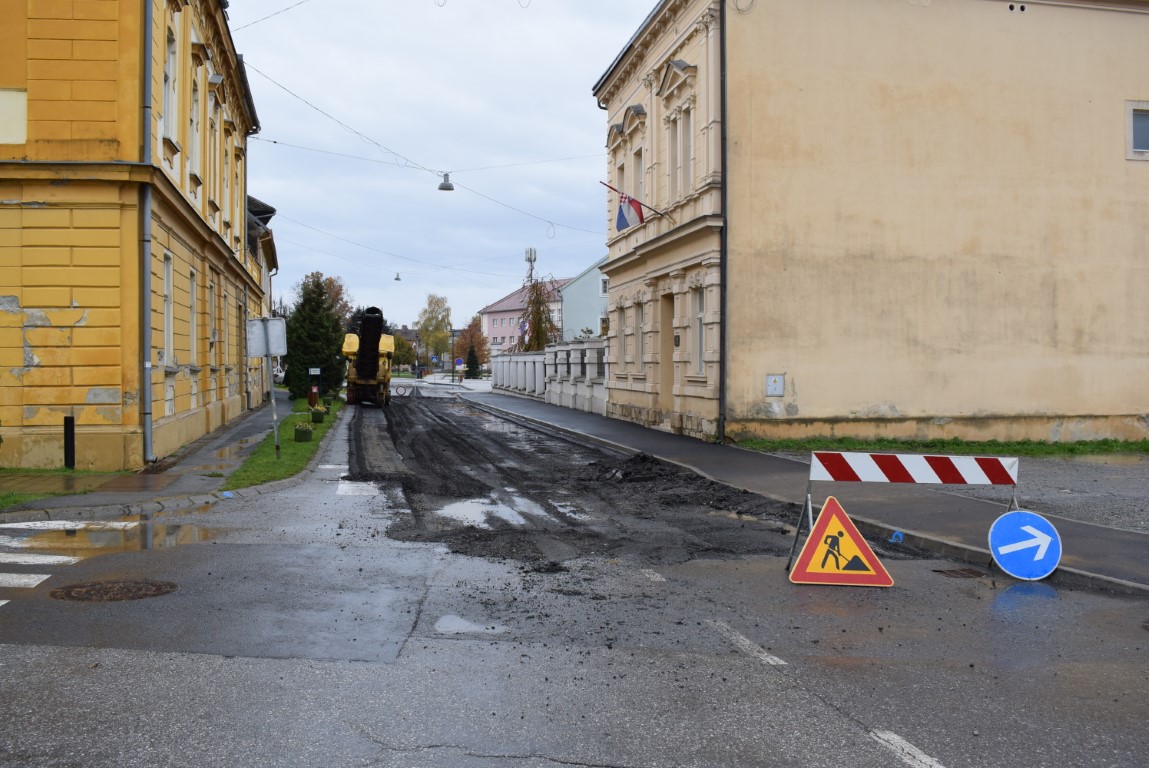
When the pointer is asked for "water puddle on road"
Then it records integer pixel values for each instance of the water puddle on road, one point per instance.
(478, 512)
(89, 539)
(457, 625)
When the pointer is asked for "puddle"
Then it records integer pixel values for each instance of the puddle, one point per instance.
(89, 539)
(457, 625)
(572, 511)
(231, 451)
(478, 512)
(353, 488)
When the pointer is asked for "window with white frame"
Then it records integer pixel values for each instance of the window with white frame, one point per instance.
(639, 336)
(193, 321)
(1137, 130)
(170, 95)
(636, 175)
(686, 154)
(699, 330)
(193, 132)
(675, 164)
(226, 332)
(603, 285)
(167, 358)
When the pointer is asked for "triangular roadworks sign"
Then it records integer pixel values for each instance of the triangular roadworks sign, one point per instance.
(835, 553)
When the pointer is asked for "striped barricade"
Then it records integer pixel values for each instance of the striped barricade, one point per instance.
(852, 467)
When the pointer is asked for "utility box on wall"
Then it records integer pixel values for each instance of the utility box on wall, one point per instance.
(775, 384)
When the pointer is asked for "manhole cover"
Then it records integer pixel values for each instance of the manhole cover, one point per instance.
(112, 591)
(962, 573)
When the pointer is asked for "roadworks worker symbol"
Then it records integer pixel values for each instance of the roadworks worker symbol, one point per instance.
(835, 553)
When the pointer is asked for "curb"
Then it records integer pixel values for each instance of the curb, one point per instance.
(146, 510)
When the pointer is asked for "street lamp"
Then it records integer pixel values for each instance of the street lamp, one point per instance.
(445, 185)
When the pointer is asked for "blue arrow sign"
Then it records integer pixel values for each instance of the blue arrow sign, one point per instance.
(1025, 545)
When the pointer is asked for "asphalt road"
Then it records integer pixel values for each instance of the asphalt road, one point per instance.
(300, 633)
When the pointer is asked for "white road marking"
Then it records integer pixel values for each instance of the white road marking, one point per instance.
(341, 467)
(3, 602)
(22, 580)
(25, 558)
(652, 575)
(744, 644)
(71, 525)
(349, 488)
(905, 751)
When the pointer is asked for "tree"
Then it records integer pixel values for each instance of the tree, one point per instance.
(472, 337)
(434, 326)
(314, 339)
(340, 298)
(404, 352)
(472, 370)
(541, 328)
(355, 319)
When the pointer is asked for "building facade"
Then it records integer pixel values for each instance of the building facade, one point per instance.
(911, 219)
(503, 320)
(126, 271)
(583, 302)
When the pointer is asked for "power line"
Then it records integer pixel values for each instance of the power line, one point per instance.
(265, 18)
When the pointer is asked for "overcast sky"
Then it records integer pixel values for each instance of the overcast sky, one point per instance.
(361, 102)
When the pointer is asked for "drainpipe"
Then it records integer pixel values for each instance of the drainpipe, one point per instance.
(146, 240)
(722, 248)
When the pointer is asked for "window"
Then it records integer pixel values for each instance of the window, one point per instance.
(603, 286)
(699, 338)
(193, 132)
(168, 118)
(639, 347)
(226, 333)
(675, 164)
(193, 321)
(1137, 130)
(686, 135)
(637, 175)
(167, 359)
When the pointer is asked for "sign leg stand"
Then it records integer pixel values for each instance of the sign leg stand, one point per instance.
(808, 512)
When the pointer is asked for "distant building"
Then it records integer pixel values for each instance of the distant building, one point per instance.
(130, 254)
(503, 320)
(901, 219)
(584, 303)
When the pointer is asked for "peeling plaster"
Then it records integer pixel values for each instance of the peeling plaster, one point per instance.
(101, 395)
(9, 304)
(30, 359)
(112, 414)
(37, 318)
(130, 398)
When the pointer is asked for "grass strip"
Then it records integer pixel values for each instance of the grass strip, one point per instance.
(262, 466)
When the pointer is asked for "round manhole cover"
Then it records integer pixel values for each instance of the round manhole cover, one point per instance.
(112, 591)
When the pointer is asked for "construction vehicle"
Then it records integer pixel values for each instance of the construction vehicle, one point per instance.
(369, 354)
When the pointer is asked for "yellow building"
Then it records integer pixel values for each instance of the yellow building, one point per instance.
(126, 270)
(910, 218)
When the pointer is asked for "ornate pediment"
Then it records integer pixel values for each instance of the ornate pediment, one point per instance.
(633, 118)
(675, 75)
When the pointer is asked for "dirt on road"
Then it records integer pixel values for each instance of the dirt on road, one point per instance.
(488, 487)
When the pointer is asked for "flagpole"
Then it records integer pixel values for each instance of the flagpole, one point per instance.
(635, 199)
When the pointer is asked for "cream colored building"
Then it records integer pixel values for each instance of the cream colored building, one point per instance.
(126, 273)
(912, 218)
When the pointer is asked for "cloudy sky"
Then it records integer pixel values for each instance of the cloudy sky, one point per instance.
(361, 102)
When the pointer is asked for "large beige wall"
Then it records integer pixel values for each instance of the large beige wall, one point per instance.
(931, 215)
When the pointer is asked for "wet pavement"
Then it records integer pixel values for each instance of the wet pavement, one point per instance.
(954, 525)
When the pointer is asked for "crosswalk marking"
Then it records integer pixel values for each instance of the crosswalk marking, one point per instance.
(24, 558)
(71, 525)
(22, 580)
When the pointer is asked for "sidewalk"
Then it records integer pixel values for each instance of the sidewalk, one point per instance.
(192, 477)
(951, 525)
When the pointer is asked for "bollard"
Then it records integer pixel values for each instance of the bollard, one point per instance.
(70, 442)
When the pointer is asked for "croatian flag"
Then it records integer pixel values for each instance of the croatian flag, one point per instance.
(629, 212)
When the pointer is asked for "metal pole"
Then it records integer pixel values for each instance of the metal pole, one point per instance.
(270, 383)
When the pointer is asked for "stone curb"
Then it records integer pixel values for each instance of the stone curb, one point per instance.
(150, 508)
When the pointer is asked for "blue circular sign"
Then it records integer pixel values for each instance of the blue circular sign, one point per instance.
(458, 361)
(1025, 545)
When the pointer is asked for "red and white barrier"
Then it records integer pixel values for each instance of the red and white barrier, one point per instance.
(905, 468)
